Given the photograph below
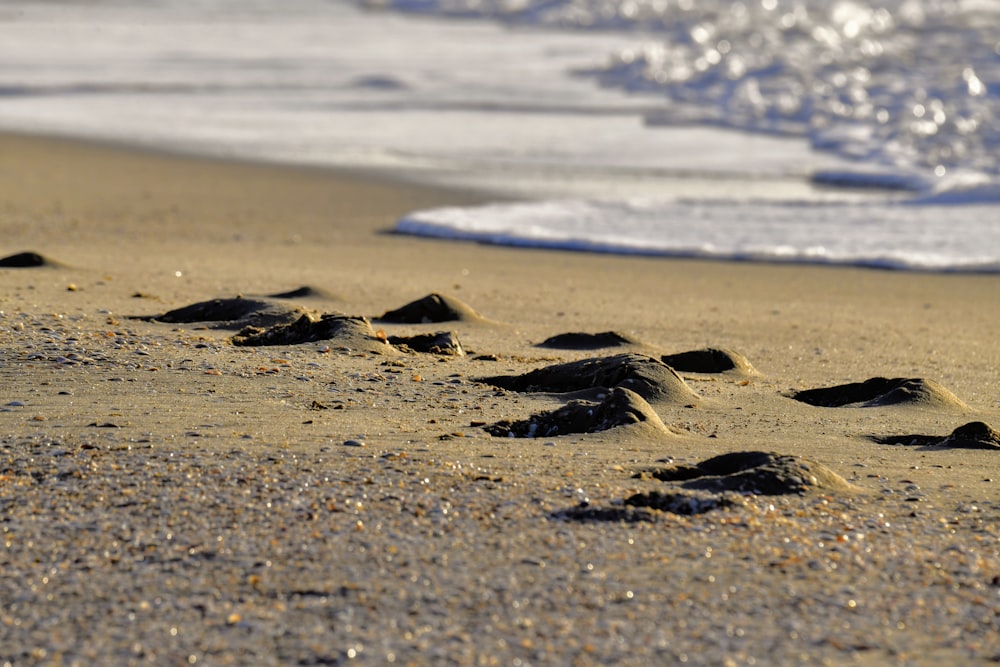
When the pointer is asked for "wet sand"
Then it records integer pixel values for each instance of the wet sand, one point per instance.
(171, 497)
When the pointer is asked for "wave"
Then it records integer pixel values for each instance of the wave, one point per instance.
(887, 235)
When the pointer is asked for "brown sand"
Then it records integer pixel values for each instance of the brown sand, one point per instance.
(169, 498)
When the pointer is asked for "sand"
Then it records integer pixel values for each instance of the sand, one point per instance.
(169, 497)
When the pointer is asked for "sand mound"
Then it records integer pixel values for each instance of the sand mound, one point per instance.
(878, 392)
(974, 435)
(443, 342)
(235, 313)
(353, 334)
(709, 360)
(432, 308)
(587, 341)
(620, 408)
(650, 378)
(24, 260)
(760, 473)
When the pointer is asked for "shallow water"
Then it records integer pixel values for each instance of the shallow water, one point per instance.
(910, 87)
(764, 130)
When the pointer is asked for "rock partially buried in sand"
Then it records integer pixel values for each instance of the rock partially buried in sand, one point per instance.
(878, 392)
(236, 313)
(720, 482)
(432, 308)
(709, 360)
(687, 503)
(304, 292)
(445, 343)
(587, 341)
(621, 407)
(648, 377)
(974, 435)
(24, 260)
(349, 333)
(758, 473)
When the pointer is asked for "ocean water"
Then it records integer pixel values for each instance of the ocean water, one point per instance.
(780, 130)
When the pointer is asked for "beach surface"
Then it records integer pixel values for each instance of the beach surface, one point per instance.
(170, 497)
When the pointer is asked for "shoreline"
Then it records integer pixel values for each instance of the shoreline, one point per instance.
(169, 496)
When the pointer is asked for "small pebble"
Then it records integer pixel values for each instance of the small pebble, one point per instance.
(354, 443)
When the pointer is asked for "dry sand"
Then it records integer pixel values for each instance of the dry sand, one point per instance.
(171, 498)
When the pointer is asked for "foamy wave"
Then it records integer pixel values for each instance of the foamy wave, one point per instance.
(887, 235)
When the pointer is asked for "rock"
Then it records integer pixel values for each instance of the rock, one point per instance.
(24, 260)
(235, 313)
(587, 341)
(586, 512)
(974, 435)
(304, 292)
(684, 502)
(432, 308)
(879, 392)
(648, 377)
(621, 407)
(350, 333)
(759, 473)
(709, 360)
(443, 342)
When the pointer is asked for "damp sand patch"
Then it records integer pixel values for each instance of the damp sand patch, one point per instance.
(882, 392)
(974, 435)
(649, 378)
(620, 407)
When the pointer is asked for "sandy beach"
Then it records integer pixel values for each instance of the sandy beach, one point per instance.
(170, 497)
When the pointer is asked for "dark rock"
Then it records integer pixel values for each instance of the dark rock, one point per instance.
(431, 308)
(442, 342)
(762, 473)
(235, 313)
(878, 392)
(304, 292)
(620, 408)
(587, 512)
(684, 502)
(974, 435)
(913, 440)
(709, 360)
(350, 333)
(587, 341)
(23, 260)
(648, 377)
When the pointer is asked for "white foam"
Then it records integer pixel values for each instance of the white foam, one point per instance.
(879, 235)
